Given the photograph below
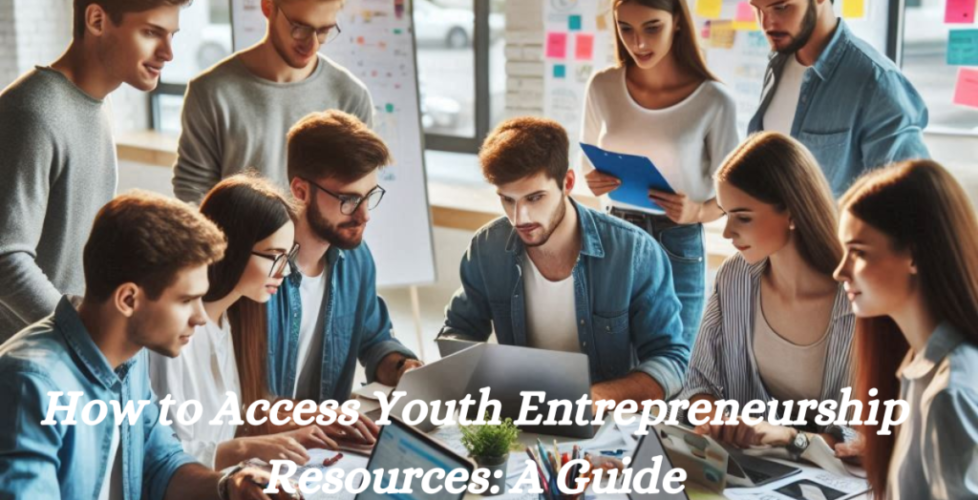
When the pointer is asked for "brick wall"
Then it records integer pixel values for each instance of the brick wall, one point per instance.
(524, 58)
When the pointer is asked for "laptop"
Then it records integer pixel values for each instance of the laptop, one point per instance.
(450, 343)
(507, 370)
(400, 446)
(649, 447)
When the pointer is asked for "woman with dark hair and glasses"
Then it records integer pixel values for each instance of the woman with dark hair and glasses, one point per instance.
(228, 353)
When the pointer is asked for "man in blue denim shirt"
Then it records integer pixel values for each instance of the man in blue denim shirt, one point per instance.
(554, 274)
(139, 295)
(842, 99)
(328, 314)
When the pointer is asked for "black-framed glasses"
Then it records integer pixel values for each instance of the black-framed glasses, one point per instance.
(349, 204)
(302, 32)
(282, 263)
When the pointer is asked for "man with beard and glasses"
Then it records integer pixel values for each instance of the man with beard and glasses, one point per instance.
(846, 102)
(553, 274)
(236, 114)
(328, 314)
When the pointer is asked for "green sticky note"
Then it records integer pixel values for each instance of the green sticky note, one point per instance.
(560, 71)
(962, 48)
(574, 23)
(390, 108)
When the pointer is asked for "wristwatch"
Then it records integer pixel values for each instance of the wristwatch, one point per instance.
(798, 445)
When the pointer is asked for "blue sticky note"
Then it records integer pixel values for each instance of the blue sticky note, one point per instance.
(574, 23)
(962, 48)
(560, 71)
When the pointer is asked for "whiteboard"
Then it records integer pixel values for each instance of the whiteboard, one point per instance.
(377, 45)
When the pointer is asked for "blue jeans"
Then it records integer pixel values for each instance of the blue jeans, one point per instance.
(684, 244)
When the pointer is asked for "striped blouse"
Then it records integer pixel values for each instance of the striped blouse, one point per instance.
(723, 363)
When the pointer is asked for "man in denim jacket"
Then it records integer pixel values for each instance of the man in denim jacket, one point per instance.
(58, 375)
(836, 94)
(556, 275)
(328, 315)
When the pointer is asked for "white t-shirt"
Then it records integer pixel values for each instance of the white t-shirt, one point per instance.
(205, 371)
(780, 113)
(112, 481)
(687, 142)
(550, 313)
(312, 292)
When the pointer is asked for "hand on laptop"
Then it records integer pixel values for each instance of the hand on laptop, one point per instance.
(362, 432)
(742, 435)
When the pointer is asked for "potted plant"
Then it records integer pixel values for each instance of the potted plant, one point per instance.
(489, 446)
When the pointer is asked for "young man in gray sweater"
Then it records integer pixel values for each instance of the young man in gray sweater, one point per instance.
(57, 156)
(236, 115)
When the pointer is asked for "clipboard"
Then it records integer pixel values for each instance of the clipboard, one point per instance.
(637, 173)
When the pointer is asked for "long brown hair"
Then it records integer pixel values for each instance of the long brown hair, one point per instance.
(685, 47)
(780, 171)
(248, 209)
(921, 208)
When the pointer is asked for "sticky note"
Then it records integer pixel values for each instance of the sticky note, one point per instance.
(962, 48)
(966, 90)
(705, 31)
(560, 71)
(557, 45)
(722, 35)
(601, 21)
(574, 23)
(960, 11)
(745, 20)
(709, 9)
(853, 9)
(584, 50)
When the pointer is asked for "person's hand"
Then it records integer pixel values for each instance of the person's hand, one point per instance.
(679, 208)
(362, 432)
(742, 435)
(600, 183)
(409, 364)
(248, 484)
(851, 451)
(282, 446)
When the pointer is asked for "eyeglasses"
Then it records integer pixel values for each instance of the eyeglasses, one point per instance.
(349, 204)
(282, 263)
(302, 32)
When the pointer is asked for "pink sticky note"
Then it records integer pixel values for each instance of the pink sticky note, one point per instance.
(966, 91)
(585, 47)
(745, 12)
(960, 11)
(557, 45)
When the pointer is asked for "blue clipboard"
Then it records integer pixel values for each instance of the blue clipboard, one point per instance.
(637, 173)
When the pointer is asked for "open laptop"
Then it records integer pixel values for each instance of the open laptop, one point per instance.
(649, 447)
(400, 446)
(507, 371)
(449, 344)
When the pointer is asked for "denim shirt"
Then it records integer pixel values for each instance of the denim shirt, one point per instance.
(355, 325)
(626, 309)
(856, 110)
(70, 461)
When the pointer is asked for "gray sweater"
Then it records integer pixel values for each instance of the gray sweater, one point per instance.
(58, 167)
(233, 120)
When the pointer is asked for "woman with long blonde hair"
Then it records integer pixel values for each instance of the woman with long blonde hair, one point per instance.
(910, 268)
(660, 101)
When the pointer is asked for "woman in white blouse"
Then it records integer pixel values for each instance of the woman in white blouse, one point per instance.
(911, 270)
(660, 101)
(227, 354)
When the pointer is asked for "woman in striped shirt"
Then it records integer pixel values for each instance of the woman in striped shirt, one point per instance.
(777, 326)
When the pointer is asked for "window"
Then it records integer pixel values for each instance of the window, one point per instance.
(925, 41)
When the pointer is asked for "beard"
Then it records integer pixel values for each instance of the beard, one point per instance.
(555, 221)
(807, 28)
(331, 233)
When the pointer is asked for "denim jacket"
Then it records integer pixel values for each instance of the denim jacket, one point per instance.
(70, 461)
(356, 325)
(627, 311)
(856, 110)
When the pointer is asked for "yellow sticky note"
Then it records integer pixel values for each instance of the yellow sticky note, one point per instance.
(709, 9)
(854, 9)
(722, 35)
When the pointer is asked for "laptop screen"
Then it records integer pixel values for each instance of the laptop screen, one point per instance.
(401, 447)
(649, 447)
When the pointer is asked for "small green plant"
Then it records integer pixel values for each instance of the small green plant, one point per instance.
(490, 440)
